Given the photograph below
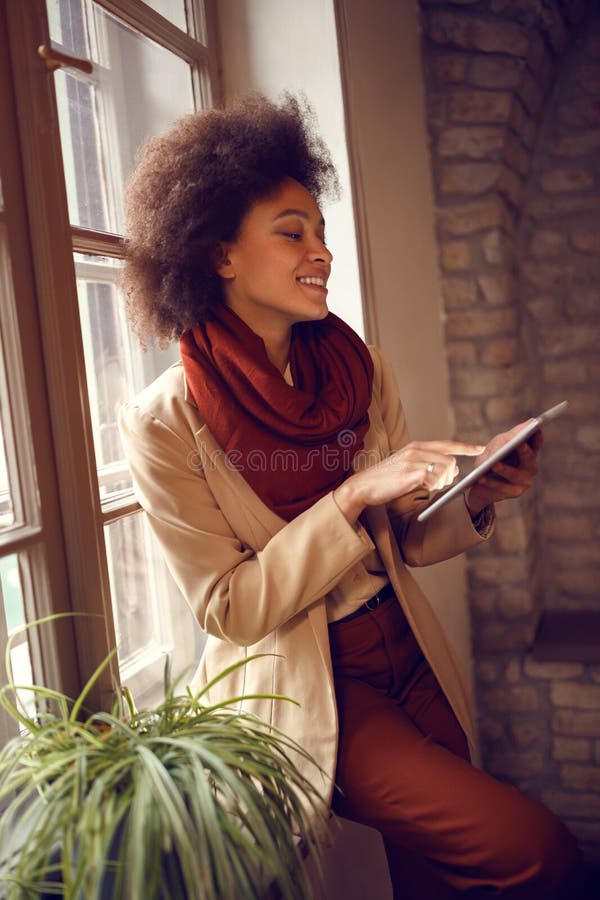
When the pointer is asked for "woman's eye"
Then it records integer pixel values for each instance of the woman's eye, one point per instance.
(293, 235)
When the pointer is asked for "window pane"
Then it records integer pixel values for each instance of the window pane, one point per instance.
(7, 516)
(174, 10)
(67, 22)
(11, 593)
(151, 617)
(116, 367)
(136, 90)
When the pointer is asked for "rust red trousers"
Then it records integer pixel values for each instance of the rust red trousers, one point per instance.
(403, 768)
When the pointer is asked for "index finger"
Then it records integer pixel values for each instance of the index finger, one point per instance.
(451, 448)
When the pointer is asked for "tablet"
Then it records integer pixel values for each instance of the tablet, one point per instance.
(519, 438)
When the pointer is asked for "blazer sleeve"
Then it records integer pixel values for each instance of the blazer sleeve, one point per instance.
(237, 593)
(450, 530)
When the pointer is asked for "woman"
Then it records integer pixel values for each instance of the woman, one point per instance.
(274, 465)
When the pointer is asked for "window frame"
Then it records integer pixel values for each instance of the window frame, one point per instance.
(73, 576)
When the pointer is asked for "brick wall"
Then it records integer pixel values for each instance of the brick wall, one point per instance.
(513, 105)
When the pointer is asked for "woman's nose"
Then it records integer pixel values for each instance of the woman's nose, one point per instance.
(319, 252)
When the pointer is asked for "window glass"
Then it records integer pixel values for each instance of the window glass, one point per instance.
(6, 506)
(136, 90)
(174, 10)
(11, 593)
(151, 617)
(67, 22)
(116, 366)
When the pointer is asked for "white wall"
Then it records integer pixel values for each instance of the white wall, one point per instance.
(277, 45)
(381, 66)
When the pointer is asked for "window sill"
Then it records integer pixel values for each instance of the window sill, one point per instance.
(568, 636)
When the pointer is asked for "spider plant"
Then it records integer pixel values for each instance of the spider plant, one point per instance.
(185, 800)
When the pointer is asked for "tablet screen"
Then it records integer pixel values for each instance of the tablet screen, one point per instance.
(519, 438)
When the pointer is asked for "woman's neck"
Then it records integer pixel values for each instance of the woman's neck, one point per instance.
(276, 335)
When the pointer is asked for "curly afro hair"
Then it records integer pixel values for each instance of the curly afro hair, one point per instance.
(191, 189)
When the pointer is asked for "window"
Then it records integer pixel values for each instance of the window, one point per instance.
(72, 537)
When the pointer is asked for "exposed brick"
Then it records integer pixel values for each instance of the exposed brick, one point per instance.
(487, 382)
(575, 749)
(482, 322)
(491, 732)
(552, 670)
(539, 58)
(501, 411)
(467, 218)
(574, 557)
(565, 372)
(565, 804)
(574, 581)
(456, 255)
(575, 695)
(586, 241)
(587, 78)
(516, 602)
(523, 734)
(500, 637)
(476, 142)
(488, 671)
(588, 837)
(577, 144)
(513, 536)
(569, 526)
(589, 436)
(570, 497)
(576, 723)
(516, 698)
(557, 32)
(516, 765)
(477, 34)
(547, 244)
(500, 352)
(469, 178)
(545, 205)
(522, 124)
(583, 302)
(496, 72)
(558, 341)
(497, 248)
(580, 777)
(579, 112)
(530, 94)
(516, 155)
(468, 415)
(480, 106)
(575, 179)
(511, 186)
(512, 673)
(498, 288)
(459, 293)
(576, 10)
(461, 353)
(544, 276)
(450, 68)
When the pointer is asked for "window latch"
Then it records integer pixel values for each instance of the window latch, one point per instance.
(54, 59)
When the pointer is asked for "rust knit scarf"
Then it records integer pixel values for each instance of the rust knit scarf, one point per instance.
(292, 444)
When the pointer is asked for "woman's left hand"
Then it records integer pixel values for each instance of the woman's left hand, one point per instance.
(509, 478)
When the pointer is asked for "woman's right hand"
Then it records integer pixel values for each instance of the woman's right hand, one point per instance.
(429, 464)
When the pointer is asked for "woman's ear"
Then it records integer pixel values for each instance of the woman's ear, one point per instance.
(223, 265)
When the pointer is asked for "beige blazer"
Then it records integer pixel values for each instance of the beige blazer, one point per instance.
(258, 584)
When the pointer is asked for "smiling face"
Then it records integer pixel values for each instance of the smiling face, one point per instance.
(275, 272)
